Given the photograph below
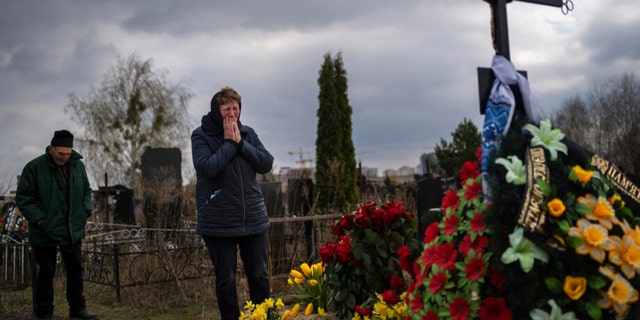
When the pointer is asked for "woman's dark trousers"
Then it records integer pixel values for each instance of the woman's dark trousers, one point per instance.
(254, 254)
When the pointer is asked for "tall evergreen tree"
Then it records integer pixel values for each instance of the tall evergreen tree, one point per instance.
(348, 184)
(335, 153)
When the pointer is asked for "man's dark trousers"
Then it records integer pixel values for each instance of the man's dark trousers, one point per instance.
(46, 260)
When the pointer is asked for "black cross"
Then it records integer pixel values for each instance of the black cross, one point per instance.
(501, 43)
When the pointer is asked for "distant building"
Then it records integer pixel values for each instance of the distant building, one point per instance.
(406, 171)
(370, 172)
(390, 173)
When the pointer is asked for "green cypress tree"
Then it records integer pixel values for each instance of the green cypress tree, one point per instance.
(348, 190)
(335, 155)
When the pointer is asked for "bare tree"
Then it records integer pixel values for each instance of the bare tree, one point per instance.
(608, 122)
(134, 108)
(7, 183)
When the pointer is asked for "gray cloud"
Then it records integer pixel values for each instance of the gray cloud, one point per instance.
(411, 65)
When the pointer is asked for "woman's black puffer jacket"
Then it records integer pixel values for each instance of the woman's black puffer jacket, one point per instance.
(228, 195)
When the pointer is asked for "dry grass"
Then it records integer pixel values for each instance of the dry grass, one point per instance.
(177, 300)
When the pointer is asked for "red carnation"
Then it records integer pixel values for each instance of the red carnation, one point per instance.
(494, 309)
(363, 312)
(417, 269)
(451, 200)
(431, 232)
(430, 315)
(406, 261)
(445, 256)
(474, 269)
(479, 244)
(451, 224)
(396, 282)
(417, 303)
(497, 279)
(469, 171)
(428, 256)
(459, 309)
(390, 298)
(477, 222)
(436, 282)
(473, 190)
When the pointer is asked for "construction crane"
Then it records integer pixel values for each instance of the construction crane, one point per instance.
(301, 154)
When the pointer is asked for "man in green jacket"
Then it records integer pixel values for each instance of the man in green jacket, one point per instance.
(55, 196)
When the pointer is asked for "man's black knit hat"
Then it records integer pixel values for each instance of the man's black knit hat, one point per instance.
(62, 138)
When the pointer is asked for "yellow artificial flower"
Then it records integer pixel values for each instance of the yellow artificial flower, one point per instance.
(626, 255)
(614, 198)
(601, 210)
(309, 309)
(574, 287)
(556, 207)
(249, 305)
(583, 175)
(285, 315)
(321, 312)
(290, 282)
(279, 304)
(596, 239)
(622, 294)
(635, 234)
(299, 280)
(313, 282)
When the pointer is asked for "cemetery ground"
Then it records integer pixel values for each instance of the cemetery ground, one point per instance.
(181, 300)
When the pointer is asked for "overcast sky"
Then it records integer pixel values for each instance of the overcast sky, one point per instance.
(411, 64)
